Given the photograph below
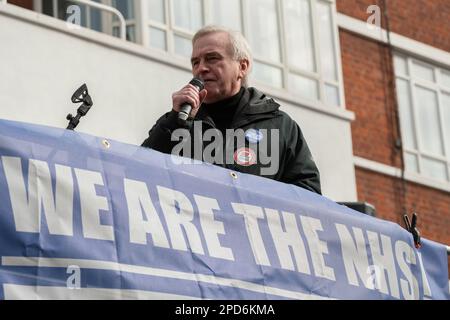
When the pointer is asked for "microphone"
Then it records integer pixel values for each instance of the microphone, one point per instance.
(186, 108)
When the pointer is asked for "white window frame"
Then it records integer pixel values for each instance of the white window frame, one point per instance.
(170, 31)
(168, 27)
(128, 22)
(439, 90)
(39, 7)
(107, 24)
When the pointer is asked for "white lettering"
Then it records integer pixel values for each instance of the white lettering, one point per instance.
(285, 239)
(385, 261)
(354, 255)
(179, 213)
(91, 204)
(251, 215)
(211, 228)
(317, 247)
(410, 287)
(27, 207)
(142, 215)
(373, 279)
(425, 283)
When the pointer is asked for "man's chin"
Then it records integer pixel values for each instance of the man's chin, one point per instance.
(209, 101)
(211, 97)
(209, 86)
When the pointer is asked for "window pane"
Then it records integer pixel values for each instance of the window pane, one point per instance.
(63, 5)
(446, 121)
(226, 13)
(406, 116)
(428, 121)
(445, 79)
(300, 47)
(156, 10)
(96, 19)
(422, 71)
(434, 169)
(116, 32)
(130, 33)
(188, 14)
(47, 7)
(401, 66)
(126, 7)
(264, 35)
(326, 39)
(304, 87)
(331, 95)
(411, 162)
(183, 46)
(267, 74)
(158, 38)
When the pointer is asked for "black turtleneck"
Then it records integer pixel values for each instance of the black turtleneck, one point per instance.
(222, 112)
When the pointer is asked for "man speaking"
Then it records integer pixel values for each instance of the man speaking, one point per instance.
(239, 127)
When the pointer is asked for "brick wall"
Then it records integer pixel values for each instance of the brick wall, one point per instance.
(385, 193)
(357, 8)
(369, 93)
(427, 21)
(367, 71)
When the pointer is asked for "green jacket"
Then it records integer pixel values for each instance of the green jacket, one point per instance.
(293, 163)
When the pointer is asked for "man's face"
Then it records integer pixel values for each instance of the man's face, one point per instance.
(212, 61)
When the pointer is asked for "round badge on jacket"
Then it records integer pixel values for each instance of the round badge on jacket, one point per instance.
(254, 135)
(245, 157)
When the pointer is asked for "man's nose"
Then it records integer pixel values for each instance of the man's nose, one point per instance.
(202, 67)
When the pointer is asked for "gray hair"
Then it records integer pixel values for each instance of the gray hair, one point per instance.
(239, 45)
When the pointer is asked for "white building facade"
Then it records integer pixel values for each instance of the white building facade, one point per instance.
(45, 57)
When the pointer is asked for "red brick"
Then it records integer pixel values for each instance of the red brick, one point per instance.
(370, 94)
(386, 194)
(427, 21)
(367, 70)
(27, 4)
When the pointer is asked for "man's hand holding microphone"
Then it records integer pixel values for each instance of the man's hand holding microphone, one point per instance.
(187, 101)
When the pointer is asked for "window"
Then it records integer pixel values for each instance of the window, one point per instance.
(58, 10)
(127, 8)
(94, 18)
(294, 42)
(171, 24)
(423, 92)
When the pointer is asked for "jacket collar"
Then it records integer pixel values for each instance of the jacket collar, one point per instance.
(256, 102)
(253, 106)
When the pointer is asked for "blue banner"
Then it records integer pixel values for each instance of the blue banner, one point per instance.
(85, 217)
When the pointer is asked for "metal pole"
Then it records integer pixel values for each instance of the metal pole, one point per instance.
(100, 6)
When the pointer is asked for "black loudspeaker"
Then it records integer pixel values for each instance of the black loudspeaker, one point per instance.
(363, 207)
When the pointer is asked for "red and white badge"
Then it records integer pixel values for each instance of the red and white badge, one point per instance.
(245, 157)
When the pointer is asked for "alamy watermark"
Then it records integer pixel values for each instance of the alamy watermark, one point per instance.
(374, 20)
(73, 20)
(74, 280)
(373, 281)
(245, 148)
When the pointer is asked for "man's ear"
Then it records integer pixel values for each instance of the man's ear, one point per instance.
(244, 65)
